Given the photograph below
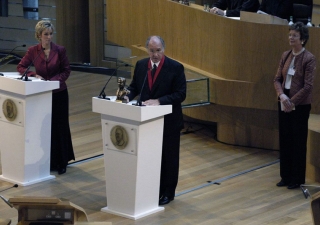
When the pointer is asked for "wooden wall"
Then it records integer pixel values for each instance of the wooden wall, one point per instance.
(239, 58)
(73, 28)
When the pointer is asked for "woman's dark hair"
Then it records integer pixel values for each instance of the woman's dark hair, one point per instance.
(303, 30)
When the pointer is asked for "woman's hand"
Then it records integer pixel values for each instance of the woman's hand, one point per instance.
(288, 105)
(39, 77)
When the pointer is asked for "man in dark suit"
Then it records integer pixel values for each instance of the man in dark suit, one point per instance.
(232, 8)
(162, 81)
(279, 8)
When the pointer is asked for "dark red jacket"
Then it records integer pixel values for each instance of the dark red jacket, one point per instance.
(56, 68)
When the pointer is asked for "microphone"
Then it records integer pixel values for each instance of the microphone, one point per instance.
(139, 103)
(102, 93)
(9, 55)
(16, 47)
(24, 75)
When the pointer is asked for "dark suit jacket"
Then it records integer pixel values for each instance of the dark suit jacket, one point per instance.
(234, 7)
(279, 8)
(169, 88)
(56, 68)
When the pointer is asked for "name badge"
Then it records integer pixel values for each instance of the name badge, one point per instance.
(291, 71)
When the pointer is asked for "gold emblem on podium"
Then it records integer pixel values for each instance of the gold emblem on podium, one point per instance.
(9, 109)
(119, 137)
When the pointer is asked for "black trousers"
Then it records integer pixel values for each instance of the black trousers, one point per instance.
(293, 134)
(170, 164)
(61, 143)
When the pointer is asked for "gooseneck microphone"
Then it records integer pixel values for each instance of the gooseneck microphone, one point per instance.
(139, 102)
(102, 93)
(16, 47)
(24, 75)
(9, 55)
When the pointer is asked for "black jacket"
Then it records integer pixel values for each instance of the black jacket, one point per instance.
(169, 88)
(279, 8)
(234, 7)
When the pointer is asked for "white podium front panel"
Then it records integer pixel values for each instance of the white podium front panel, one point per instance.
(25, 129)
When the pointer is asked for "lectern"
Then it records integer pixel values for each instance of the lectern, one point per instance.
(132, 145)
(25, 129)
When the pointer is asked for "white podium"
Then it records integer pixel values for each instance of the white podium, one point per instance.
(132, 145)
(25, 129)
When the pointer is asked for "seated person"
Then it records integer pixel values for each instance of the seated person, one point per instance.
(232, 8)
(279, 8)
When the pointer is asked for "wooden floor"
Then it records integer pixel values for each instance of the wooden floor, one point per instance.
(218, 183)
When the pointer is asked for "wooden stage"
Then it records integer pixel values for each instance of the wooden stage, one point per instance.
(219, 184)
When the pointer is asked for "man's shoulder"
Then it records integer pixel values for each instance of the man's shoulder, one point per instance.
(172, 62)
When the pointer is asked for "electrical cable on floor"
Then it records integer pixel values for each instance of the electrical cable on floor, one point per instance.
(218, 181)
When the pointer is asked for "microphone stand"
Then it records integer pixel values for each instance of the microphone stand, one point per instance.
(102, 93)
(139, 102)
(24, 76)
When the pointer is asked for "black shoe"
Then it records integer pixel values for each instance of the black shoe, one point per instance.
(293, 186)
(165, 200)
(62, 170)
(282, 183)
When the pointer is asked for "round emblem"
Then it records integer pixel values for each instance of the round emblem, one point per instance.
(9, 109)
(119, 137)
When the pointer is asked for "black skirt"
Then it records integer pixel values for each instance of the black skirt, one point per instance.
(61, 143)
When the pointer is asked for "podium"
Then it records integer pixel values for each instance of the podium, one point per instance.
(25, 129)
(132, 146)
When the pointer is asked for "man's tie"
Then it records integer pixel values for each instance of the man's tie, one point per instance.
(153, 72)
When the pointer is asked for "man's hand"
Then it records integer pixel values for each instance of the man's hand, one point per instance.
(216, 10)
(151, 102)
(125, 99)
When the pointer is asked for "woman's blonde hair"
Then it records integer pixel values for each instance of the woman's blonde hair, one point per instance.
(41, 26)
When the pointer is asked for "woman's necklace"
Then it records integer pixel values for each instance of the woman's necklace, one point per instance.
(298, 53)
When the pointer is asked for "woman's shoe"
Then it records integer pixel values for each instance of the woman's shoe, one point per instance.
(293, 186)
(282, 183)
(62, 170)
